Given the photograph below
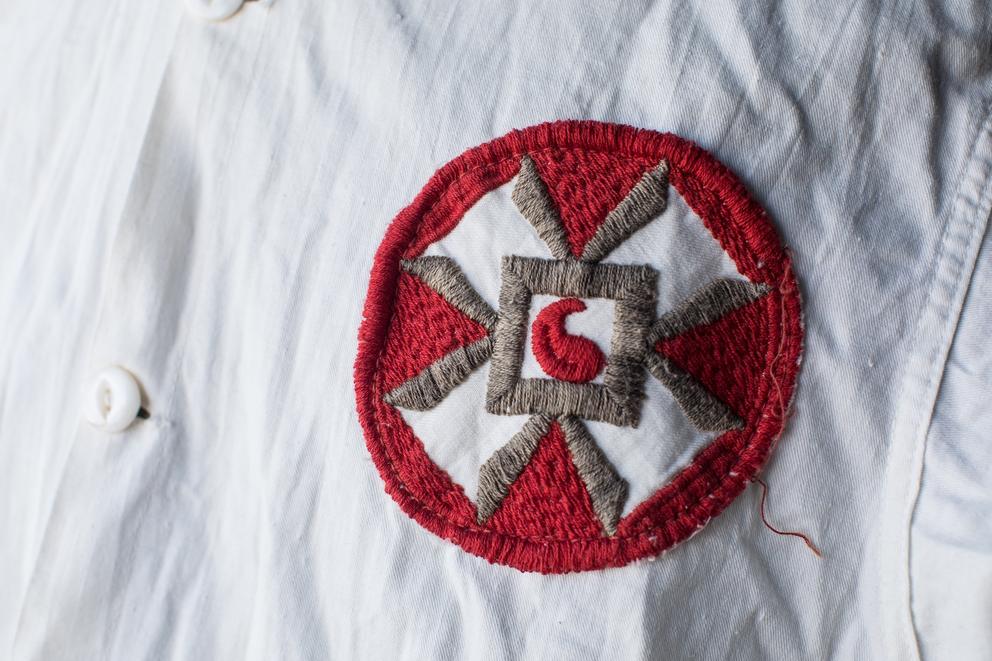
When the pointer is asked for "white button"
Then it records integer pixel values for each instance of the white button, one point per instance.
(113, 401)
(213, 10)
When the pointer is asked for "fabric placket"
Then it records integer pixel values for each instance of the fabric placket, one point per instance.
(934, 333)
(142, 319)
(123, 99)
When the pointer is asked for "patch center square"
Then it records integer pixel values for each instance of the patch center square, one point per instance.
(618, 399)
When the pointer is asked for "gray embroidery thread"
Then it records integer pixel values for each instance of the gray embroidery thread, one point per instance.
(607, 490)
(643, 203)
(426, 390)
(535, 204)
(444, 276)
(704, 410)
(618, 399)
(708, 304)
(506, 464)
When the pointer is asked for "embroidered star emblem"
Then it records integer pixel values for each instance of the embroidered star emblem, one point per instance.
(556, 405)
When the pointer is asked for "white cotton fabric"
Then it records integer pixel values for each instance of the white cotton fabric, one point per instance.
(200, 203)
(952, 529)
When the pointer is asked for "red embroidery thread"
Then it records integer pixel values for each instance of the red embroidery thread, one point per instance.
(411, 346)
(716, 476)
(571, 358)
(588, 184)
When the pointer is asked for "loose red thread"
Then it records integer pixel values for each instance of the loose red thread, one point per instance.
(567, 357)
(716, 476)
(786, 533)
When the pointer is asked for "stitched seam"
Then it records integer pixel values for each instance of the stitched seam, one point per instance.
(909, 494)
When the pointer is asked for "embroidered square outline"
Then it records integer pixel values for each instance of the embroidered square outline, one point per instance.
(617, 400)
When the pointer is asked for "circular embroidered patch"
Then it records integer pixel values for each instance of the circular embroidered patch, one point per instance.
(581, 198)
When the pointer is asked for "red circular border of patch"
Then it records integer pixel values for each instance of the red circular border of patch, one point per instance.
(716, 476)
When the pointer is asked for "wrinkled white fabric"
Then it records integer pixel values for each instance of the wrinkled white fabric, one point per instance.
(952, 529)
(200, 202)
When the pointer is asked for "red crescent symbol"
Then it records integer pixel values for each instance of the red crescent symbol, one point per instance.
(567, 357)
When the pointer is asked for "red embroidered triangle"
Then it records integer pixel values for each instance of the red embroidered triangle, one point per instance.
(586, 186)
(424, 328)
(727, 356)
(549, 499)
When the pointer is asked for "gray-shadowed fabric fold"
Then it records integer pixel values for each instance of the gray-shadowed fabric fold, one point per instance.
(506, 464)
(426, 390)
(708, 304)
(607, 490)
(445, 277)
(535, 204)
(645, 201)
(704, 410)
